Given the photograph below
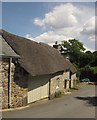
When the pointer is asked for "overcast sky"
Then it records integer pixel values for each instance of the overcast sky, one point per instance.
(51, 21)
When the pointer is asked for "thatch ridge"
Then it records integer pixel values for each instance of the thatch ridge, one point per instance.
(36, 58)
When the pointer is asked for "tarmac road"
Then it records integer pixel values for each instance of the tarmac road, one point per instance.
(80, 104)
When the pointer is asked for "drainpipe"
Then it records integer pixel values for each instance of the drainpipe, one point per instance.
(9, 83)
(50, 87)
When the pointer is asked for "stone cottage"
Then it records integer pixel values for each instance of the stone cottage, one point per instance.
(31, 71)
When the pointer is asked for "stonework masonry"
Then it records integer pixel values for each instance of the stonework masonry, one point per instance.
(61, 82)
(57, 83)
(73, 80)
(18, 91)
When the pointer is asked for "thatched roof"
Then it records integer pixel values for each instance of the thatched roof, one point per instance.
(36, 58)
(71, 66)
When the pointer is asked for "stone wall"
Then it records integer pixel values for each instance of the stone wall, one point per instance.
(66, 76)
(18, 85)
(61, 82)
(73, 80)
(57, 83)
(0, 88)
(70, 81)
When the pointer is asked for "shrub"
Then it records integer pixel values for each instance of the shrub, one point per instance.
(58, 94)
(86, 72)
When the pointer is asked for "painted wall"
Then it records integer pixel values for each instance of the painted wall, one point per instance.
(38, 88)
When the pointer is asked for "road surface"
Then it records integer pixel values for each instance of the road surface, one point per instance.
(80, 104)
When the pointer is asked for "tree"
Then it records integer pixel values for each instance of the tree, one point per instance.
(86, 62)
(87, 72)
(73, 49)
(86, 58)
(94, 61)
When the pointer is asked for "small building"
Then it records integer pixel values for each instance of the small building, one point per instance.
(31, 71)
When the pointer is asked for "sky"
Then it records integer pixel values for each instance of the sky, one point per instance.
(51, 21)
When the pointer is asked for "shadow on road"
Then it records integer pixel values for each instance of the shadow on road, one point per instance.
(89, 100)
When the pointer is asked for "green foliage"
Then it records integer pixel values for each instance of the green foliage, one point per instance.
(78, 81)
(58, 94)
(85, 59)
(85, 62)
(87, 72)
(73, 49)
(94, 61)
(94, 69)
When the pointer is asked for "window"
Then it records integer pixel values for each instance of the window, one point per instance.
(58, 82)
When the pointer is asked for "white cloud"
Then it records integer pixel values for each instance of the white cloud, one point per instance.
(73, 32)
(89, 26)
(92, 38)
(38, 22)
(28, 36)
(61, 16)
(68, 21)
(49, 37)
(89, 49)
(89, 29)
